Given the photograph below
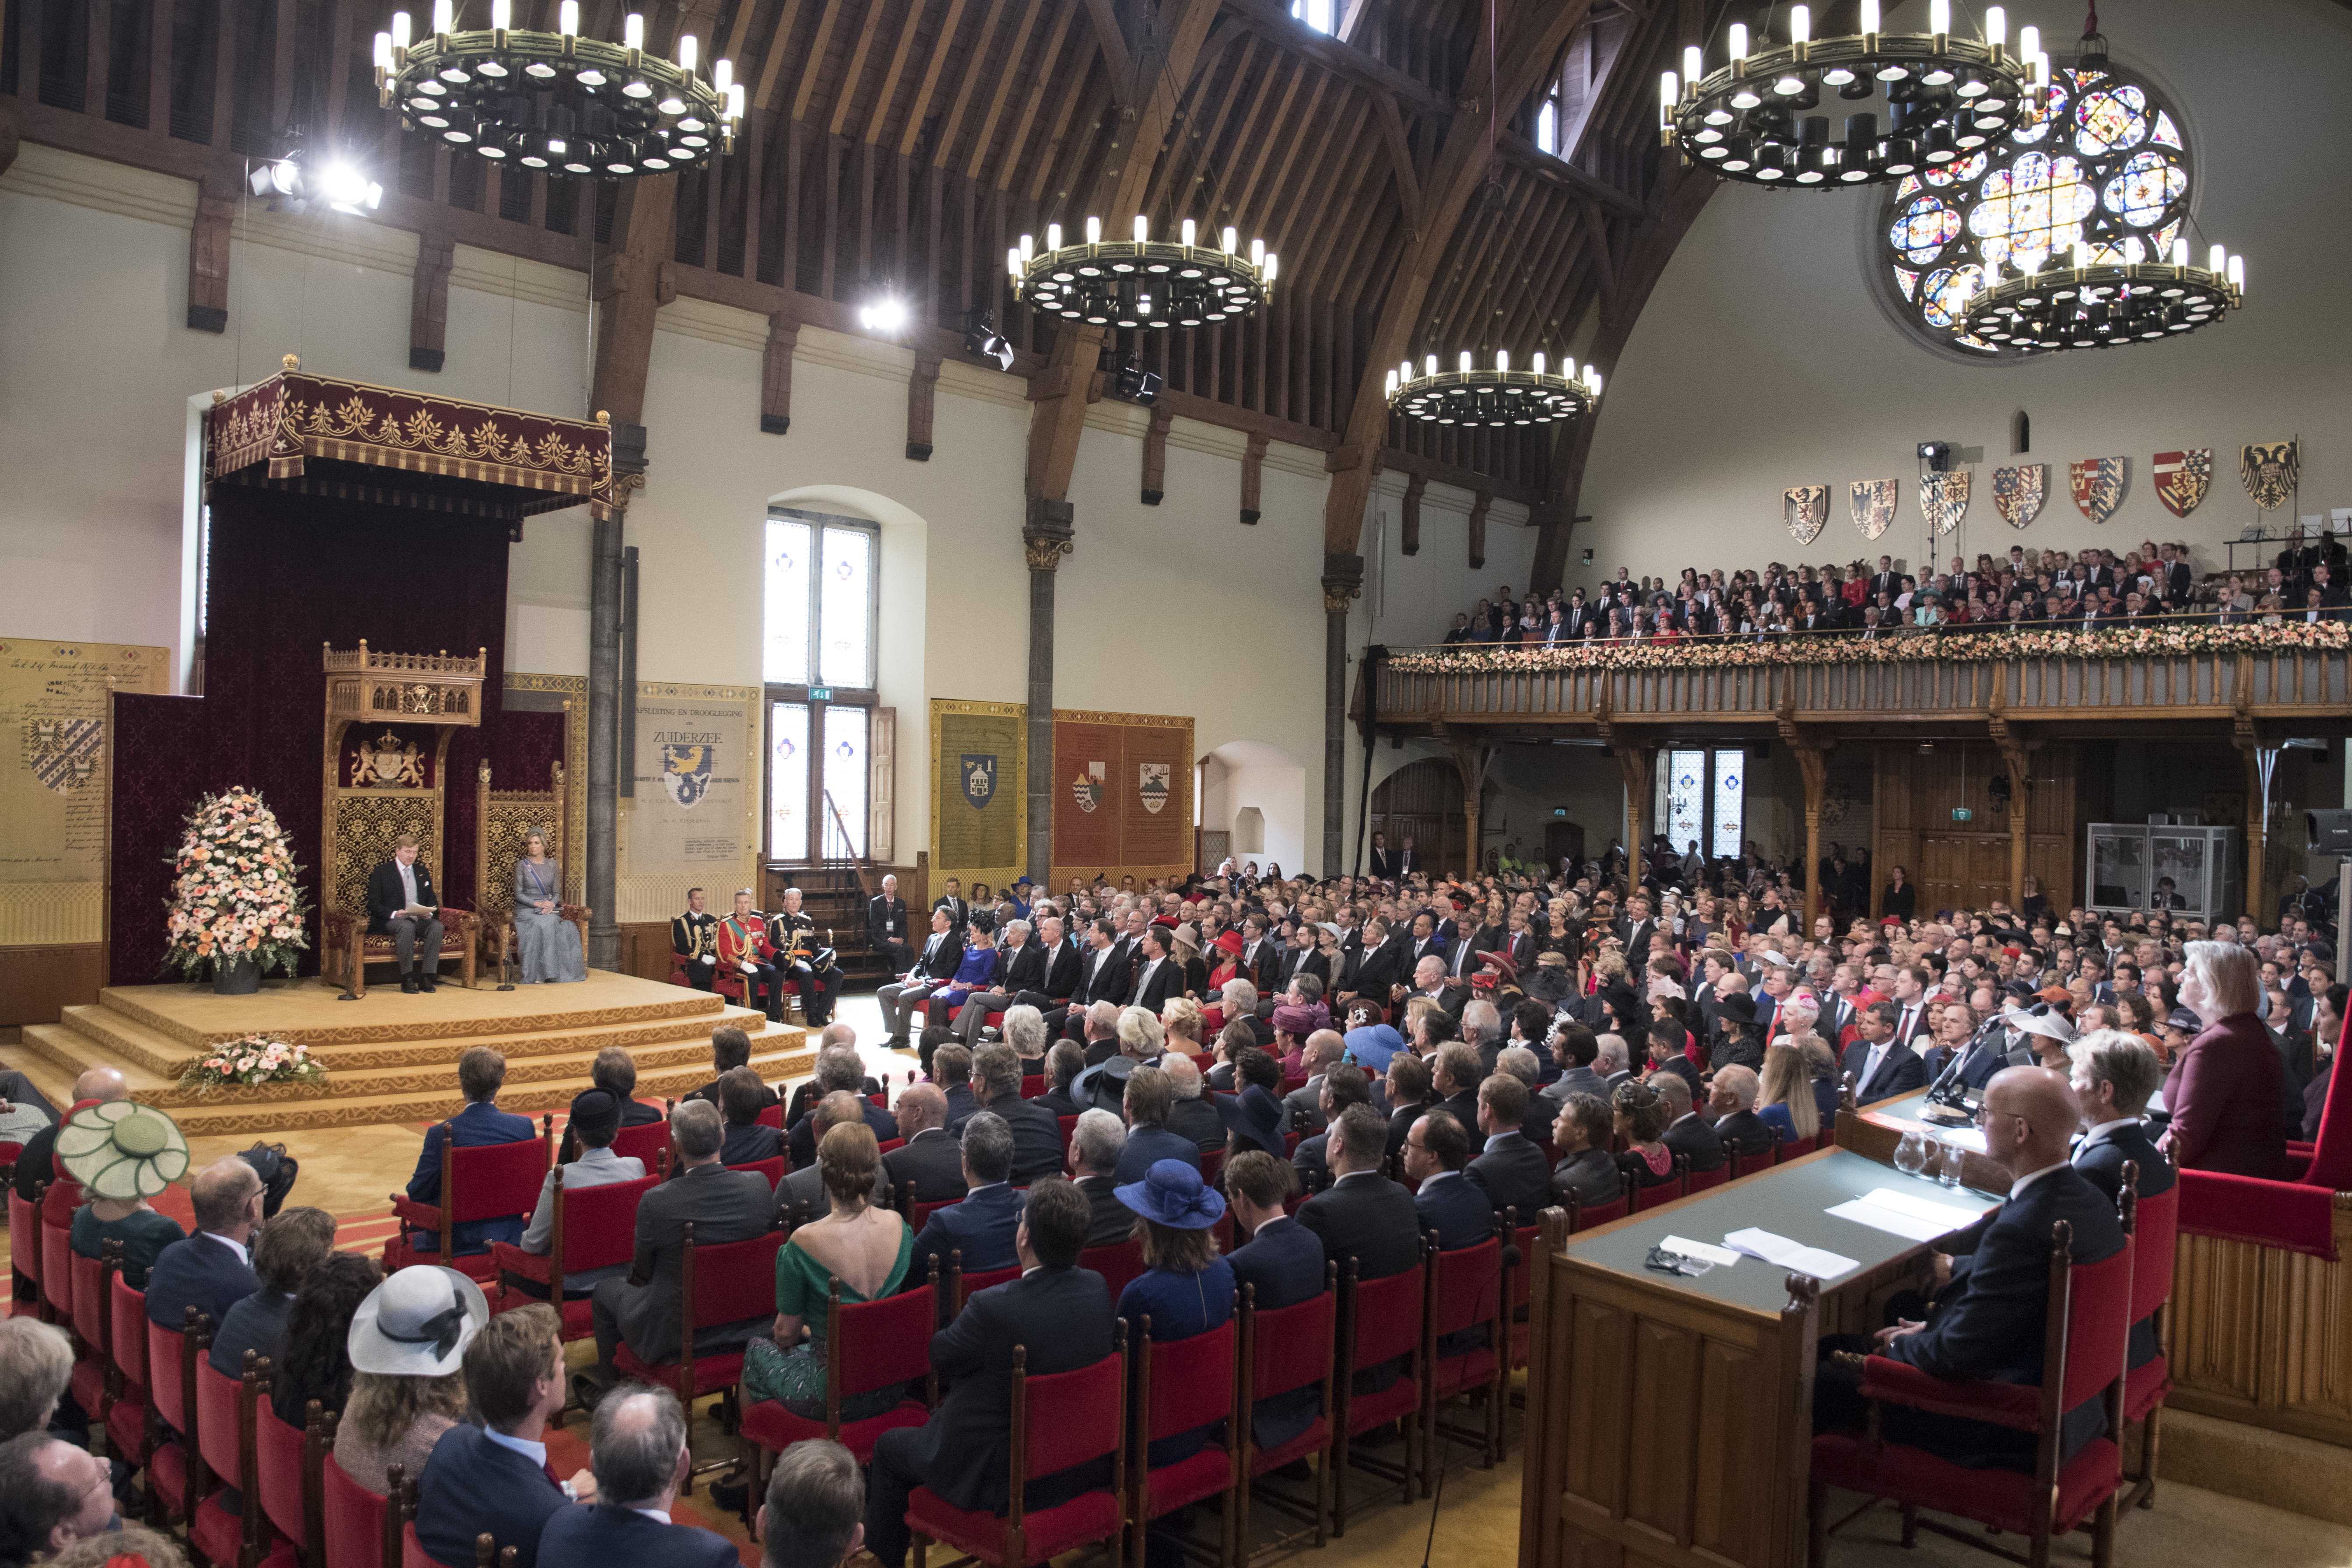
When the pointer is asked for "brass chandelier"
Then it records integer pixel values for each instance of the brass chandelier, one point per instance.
(2072, 302)
(1142, 282)
(1497, 398)
(558, 101)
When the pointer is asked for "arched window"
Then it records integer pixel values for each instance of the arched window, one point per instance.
(2107, 165)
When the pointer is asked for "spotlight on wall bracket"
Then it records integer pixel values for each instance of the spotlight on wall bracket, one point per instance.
(1135, 384)
(982, 341)
(1937, 456)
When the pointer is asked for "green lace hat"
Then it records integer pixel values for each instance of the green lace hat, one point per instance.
(123, 1150)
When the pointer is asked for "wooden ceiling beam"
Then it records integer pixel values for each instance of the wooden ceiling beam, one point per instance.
(1302, 226)
(1281, 133)
(1004, 81)
(918, 108)
(951, 128)
(1112, 41)
(878, 117)
(1183, 196)
(1401, 165)
(1010, 169)
(1521, 153)
(812, 66)
(778, 49)
(1275, 24)
(845, 96)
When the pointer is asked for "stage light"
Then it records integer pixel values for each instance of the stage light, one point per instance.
(1136, 385)
(887, 313)
(348, 190)
(982, 339)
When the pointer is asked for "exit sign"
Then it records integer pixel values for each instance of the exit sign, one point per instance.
(820, 693)
(1961, 814)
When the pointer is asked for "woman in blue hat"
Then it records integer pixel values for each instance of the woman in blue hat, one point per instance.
(1186, 1287)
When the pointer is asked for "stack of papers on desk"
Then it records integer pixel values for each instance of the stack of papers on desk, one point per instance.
(1905, 1215)
(1778, 1249)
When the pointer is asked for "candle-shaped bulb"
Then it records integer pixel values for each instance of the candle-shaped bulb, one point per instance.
(1670, 88)
(1801, 25)
(502, 14)
(1466, 362)
(2180, 253)
(1142, 228)
(687, 50)
(1592, 379)
(2041, 68)
(1052, 237)
(567, 18)
(443, 20)
(1028, 247)
(1012, 262)
(1428, 366)
(1230, 237)
(1996, 26)
(1093, 231)
(399, 34)
(735, 101)
(384, 51)
(2029, 41)
(1257, 253)
(2082, 257)
(1870, 16)
(722, 74)
(2134, 252)
(633, 31)
(1190, 231)
(1389, 385)
(2237, 273)
(2216, 259)
(1404, 370)
(1273, 265)
(1693, 64)
(1740, 40)
(1502, 359)
(1538, 362)
(1939, 16)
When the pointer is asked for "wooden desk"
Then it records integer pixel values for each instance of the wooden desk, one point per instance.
(1670, 1419)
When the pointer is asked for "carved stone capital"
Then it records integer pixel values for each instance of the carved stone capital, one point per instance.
(1047, 532)
(1343, 580)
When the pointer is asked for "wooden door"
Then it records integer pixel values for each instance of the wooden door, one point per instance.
(1420, 801)
(1563, 839)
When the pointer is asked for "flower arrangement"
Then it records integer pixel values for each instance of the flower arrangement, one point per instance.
(1959, 645)
(234, 893)
(249, 1061)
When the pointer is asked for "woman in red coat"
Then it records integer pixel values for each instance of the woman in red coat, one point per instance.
(2224, 1091)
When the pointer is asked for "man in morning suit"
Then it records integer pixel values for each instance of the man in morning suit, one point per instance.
(1987, 1323)
(1096, 1144)
(929, 1166)
(394, 887)
(493, 1479)
(1058, 1314)
(1103, 979)
(885, 927)
(1020, 969)
(1881, 1065)
(839, 1071)
(1065, 960)
(930, 969)
(481, 1073)
(1687, 1133)
(1510, 1170)
(642, 1310)
(693, 936)
(983, 1226)
(1364, 1216)
(637, 1451)
(1036, 1132)
(1731, 1106)
(1452, 1211)
(1147, 1101)
(1280, 1266)
(1158, 976)
(211, 1270)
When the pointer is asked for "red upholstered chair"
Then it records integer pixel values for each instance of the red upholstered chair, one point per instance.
(772, 1116)
(2085, 1340)
(727, 982)
(93, 1372)
(25, 1221)
(962, 1287)
(1466, 1286)
(647, 1141)
(56, 1272)
(1179, 1385)
(1033, 1085)
(290, 1462)
(1702, 1181)
(771, 1171)
(1070, 1125)
(595, 1227)
(1060, 1420)
(720, 1284)
(127, 1431)
(869, 1345)
(1795, 1149)
(1117, 1264)
(488, 1553)
(363, 1528)
(1519, 1260)
(175, 1473)
(224, 1439)
(1280, 1351)
(1380, 1321)
(916, 1212)
(2155, 1239)
(487, 1181)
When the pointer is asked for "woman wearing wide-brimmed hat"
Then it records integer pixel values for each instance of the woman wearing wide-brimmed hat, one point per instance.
(1186, 1289)
(407, 1347)
(123, 1155)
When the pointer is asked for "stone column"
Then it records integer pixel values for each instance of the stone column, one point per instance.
(1045, 536)
(1343, 579)
(605, 759)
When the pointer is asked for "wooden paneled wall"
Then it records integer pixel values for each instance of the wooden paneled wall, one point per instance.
(1422, 801)
(37, 982)
(1966, 864)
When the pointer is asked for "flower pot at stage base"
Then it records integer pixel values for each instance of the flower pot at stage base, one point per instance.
(236, 977)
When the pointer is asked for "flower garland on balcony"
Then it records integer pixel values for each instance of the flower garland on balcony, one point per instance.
(234, 894)
(1914, 646)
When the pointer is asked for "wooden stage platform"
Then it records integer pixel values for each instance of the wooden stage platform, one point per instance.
(392, 1057)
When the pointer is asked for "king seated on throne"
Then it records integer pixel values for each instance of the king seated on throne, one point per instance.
(401, 904)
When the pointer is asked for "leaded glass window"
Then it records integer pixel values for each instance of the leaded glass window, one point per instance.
(819, 637)
(1702, 799)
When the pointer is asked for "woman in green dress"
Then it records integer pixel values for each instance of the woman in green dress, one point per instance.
(865, 1249)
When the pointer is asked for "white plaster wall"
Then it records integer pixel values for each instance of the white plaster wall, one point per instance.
(1765, 359)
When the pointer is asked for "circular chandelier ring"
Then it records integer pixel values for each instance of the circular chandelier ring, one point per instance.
(1142, 283)
(1490, 399)
(2063, 306)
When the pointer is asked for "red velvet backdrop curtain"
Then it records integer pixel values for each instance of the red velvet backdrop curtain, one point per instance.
(291, 572)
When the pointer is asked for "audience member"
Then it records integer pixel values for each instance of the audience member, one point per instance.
(1731, 1108)
(730, 1049)
(317, 1364)
(1509, 1170)
(2224, 1091)
(408, 1341)
(36, 1366)
(615, 1072)
(595, 1122)
(122, 1155)
(1587, 1169)
(1643, 1113)
(126, 1545)
(290, 1245)
(1096, 1144)
(1364, 1218)
(1191, 1115)
(1785, 1098)
(52, 1494)
(210, 1270)
(814, 1513)
(1149, 1098)
(747, 1141)
(490, 1476)
(985, 1225)
(481, 1073)
(1063, 1065)
(1036, 1133)
(1279, 1265)
(637, 1450)
(1450, 1208)
(928, 1165)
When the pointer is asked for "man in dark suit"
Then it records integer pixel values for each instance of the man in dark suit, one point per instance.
(1576, 1048)
(801, 1194)
(982, 1227)
(1036, 1133)
(638, 1453)
(957, 911)
(929, 1167)
(642, 1310)
(1065, 968)
(1280, 1266)
(1383, 859)
(839, 1071)
(210, 1270)
(887, 928)
(399, 885)
(493, 1479)
(1096, 1144)
(1426, 943)
(1192, 1116)
(1452, 1211)
(1986, 1324)
(1731, 1106)
(1687, 1133)
(1059, 1314)
(1335, 1090)
(1261, 953)
(1158, 976)
(293, 1241)
(1019, 970)
(1453, 1082)
(1147, 1101)
(1384, 963)
(1105, 978)
(1064, 1063)
(1881, 1065)
(1633, 929)
(1510, 1170)
(1364, 1216)
(481, 1073)
(941, 955)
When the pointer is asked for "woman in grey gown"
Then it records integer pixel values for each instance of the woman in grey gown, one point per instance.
(549, 944)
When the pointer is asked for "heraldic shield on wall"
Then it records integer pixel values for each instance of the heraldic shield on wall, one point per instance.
(2270, 472)
(2017, 492)
(1872, 503)
(685, 772)
(2098, 487)
(978, 775)
(1153, 785)
(1944, 500)
(1087, 789)
(2181, 478)
(1805, 509)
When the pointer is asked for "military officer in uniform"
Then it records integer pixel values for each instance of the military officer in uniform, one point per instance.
(745, 950)
(815, 973)
(693, 936)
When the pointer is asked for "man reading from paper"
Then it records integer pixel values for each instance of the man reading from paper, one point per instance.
(402, 905)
